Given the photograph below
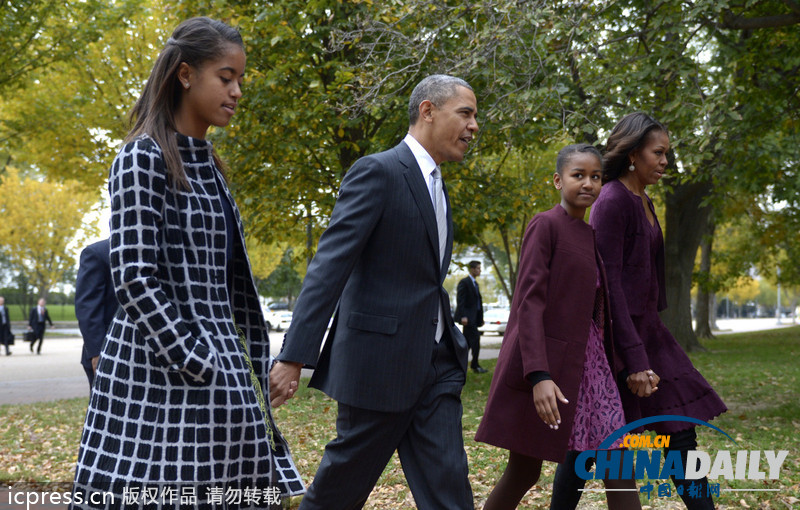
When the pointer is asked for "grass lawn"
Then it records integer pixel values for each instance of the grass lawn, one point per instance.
(57, 313)
(757, 375)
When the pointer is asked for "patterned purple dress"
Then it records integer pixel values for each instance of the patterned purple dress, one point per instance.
(598, 411)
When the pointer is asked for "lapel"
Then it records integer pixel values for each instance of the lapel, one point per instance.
(419, 190)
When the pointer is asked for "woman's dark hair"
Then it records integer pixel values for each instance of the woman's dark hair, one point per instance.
(567, 152)
(195, 41)
(627, 136)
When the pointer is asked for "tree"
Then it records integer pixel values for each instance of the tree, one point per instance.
(43, 228)
(510, 189)
(745, 290)
(73, 114)
(293, 142)
(284, 281)
(264, 258)
(682, 63)
(36, 33)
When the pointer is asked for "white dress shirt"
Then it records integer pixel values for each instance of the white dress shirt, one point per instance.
(425, 162)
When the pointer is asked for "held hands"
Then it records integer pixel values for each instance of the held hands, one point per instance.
(545, 397)
(464, 321)
(644, 383)
(283, 380)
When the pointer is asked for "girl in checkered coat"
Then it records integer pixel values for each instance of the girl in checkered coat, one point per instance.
(179, 415)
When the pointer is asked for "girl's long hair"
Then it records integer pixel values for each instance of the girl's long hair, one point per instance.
(627, 136)
(195, 41)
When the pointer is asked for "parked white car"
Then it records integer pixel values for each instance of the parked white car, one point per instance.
(495, 321)
(277, 320)
(283, 320)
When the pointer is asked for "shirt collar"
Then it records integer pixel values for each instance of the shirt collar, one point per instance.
(424, 160)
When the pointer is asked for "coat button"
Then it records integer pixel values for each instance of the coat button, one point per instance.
(436, 320)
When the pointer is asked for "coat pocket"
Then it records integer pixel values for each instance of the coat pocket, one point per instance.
(385, 324)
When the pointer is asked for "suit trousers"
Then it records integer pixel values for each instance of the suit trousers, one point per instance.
(5, 338)
(428, 438)
(473, 337)
(38, 337)
(89, 373)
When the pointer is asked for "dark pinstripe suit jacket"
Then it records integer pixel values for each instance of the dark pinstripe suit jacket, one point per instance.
(379, 260)
(95, 299)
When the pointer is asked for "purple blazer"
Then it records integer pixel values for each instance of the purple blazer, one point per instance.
(547, 330)
(619, 221)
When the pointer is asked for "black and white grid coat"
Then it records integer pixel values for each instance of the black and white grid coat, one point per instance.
(173, 399)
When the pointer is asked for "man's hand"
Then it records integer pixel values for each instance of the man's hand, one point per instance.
(283, 381)
(545, 397)
(464, 321)
(95, 360)
(644, 383)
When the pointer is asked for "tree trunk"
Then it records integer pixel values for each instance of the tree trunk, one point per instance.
(713, 317)
(686, 221)
(703, 308)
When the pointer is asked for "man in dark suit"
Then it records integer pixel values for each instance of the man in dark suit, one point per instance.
(95, 302)
(37, 320)
(469, 312)
(5, 326)
(393, 359)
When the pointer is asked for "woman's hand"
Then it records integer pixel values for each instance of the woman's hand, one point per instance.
(644, 383)
(545, 397)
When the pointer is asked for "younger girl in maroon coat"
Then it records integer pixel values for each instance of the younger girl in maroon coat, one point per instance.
(553, 389)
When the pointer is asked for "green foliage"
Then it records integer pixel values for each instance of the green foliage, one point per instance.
(35, 33)
(294, 140)
(284, 281)
(70, 120)
(43, 227)
(510, 189)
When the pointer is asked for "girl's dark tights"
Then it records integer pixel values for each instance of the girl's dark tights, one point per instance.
(567, 485)
(567, 488)
(521, 473)
(684, 441)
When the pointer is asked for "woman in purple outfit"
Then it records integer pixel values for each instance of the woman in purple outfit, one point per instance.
(630, 241)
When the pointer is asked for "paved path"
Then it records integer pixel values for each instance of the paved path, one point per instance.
(57, 374)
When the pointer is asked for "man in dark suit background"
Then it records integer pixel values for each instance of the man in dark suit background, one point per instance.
(393, 359)
(5, 326)
(469, 312)
(37, 320)
(95, 302)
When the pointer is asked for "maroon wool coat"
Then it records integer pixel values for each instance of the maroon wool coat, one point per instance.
(547, 330)
(619, 217)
